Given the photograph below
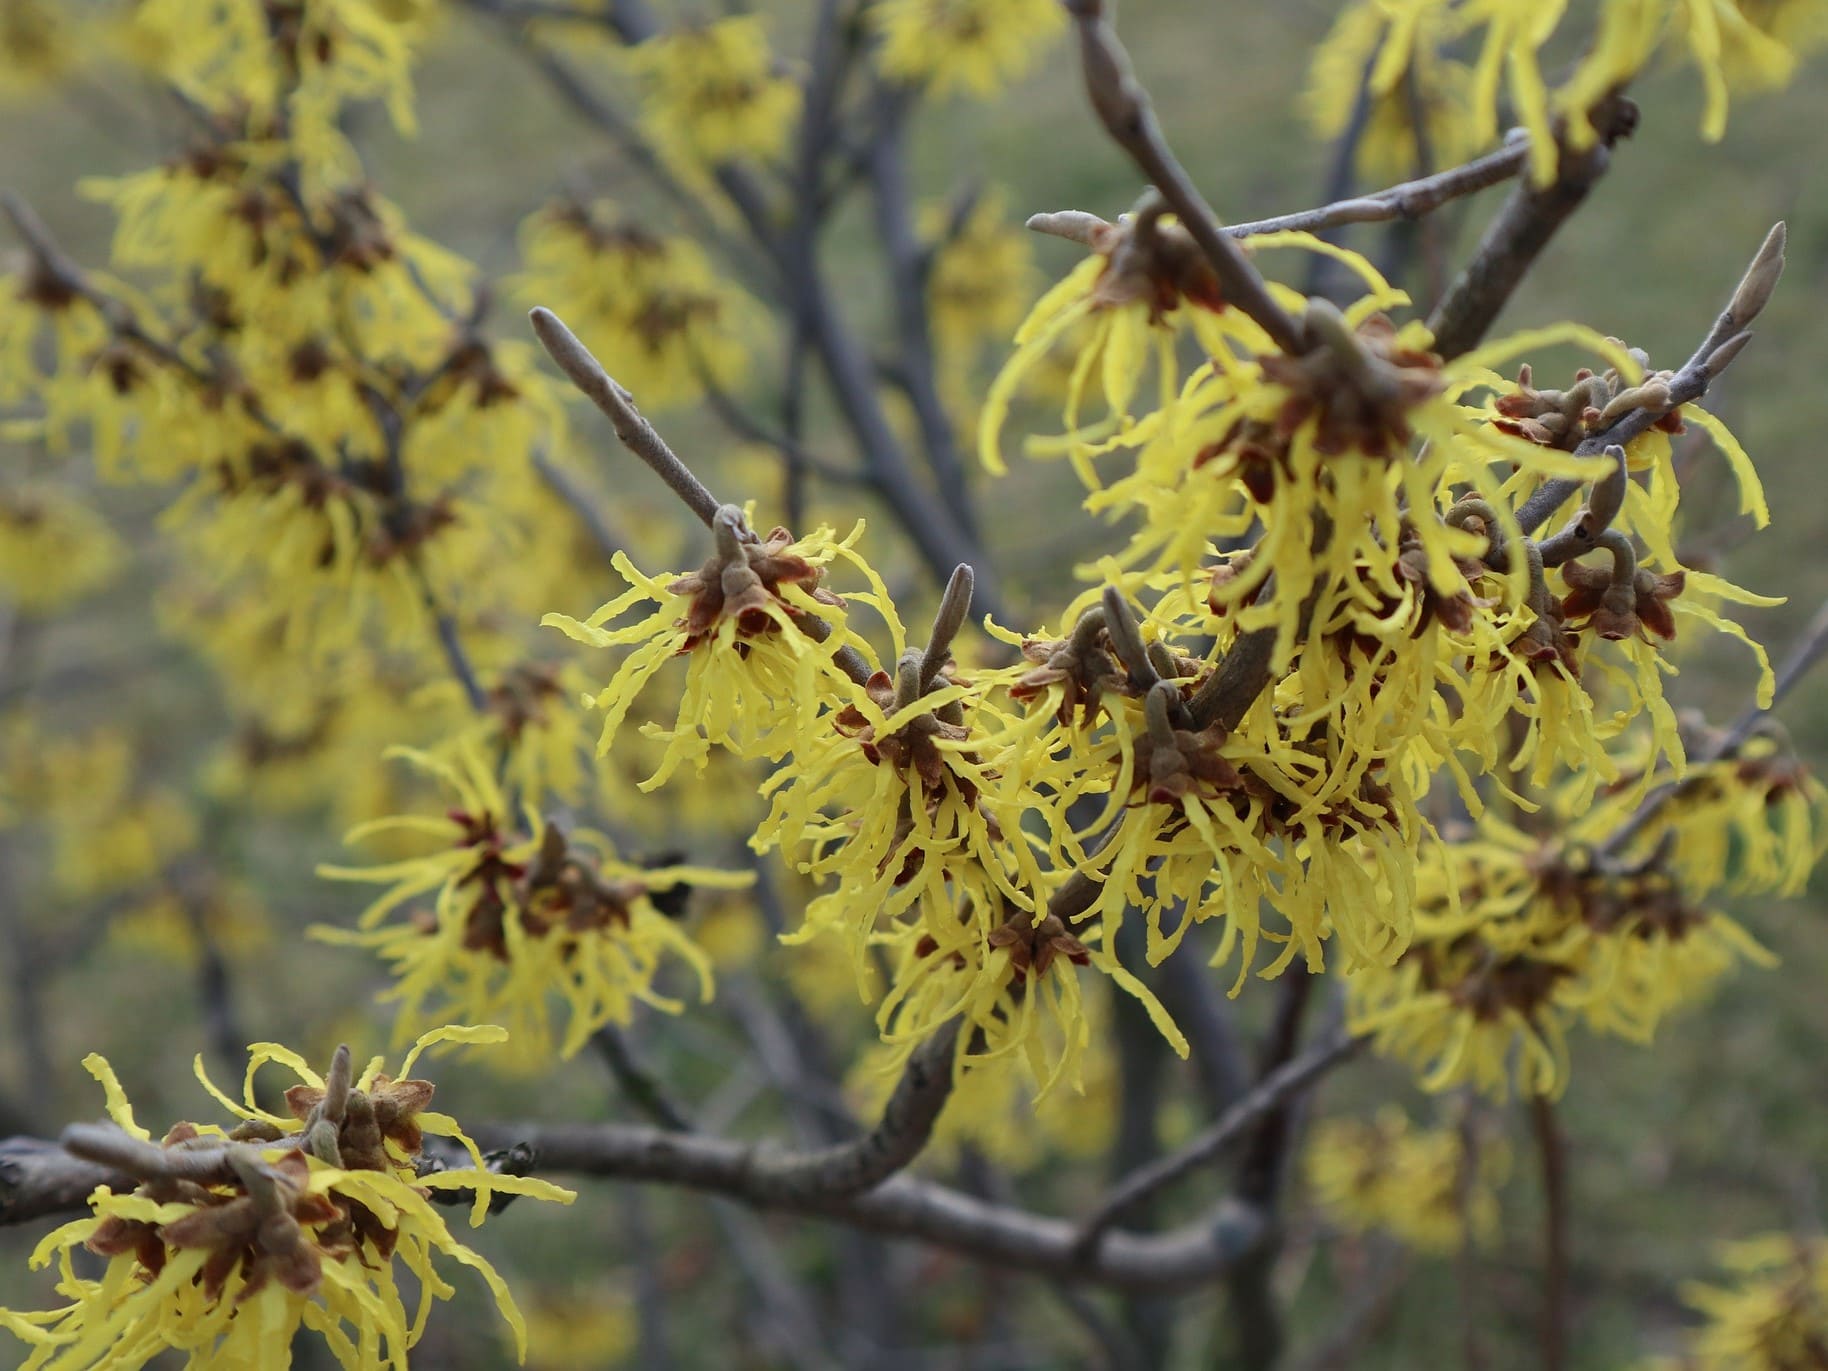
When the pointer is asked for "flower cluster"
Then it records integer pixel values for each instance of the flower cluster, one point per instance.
(1773, 1317)
(520, 910)
(237, 1238)
(1521, 935)
(1436, 72)
(1424, 1186)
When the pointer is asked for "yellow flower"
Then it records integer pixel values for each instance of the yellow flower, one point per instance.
(236, 1239)
(974, 46)
(54, 548)
(302, 61)
(651, 306)
(1773, 1317)
(1520, 938)
(714, 93)
(1385, 1173)
(519, 914)
(755, 677)
(1395, 50)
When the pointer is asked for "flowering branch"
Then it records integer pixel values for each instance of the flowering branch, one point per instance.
(1012, 1238)
(1122, 104)
(1724, 342)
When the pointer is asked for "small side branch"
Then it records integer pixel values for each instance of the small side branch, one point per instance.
(632, 428)
(1407, 201)
(1723, 343)
(1270, 1094)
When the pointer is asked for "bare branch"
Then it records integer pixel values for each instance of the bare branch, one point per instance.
(1013, 1239)
(636, 433)
(1552, 1151)
(450, 641)
(1409, 200)
(1521, 231)
(639, 1085)
(589, 511)
(40, 1180)
(1269, 1094)
(906, 259)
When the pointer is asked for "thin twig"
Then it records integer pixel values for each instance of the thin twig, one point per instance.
(1365, 1310)
(635, 432)
(1274, 1090)
(1723, 343)
(638, 1085)
(450, 642)
(589, 511)
(901, 246)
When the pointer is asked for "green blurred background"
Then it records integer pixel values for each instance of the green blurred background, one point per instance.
(1719, 1131)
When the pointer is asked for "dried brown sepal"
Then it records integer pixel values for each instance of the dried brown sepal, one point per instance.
(262, 1232)
(1033, 947)
(1153, 260)
(915, 744)
(743, 580)
(1619, 610)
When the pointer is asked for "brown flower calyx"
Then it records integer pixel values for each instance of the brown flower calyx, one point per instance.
(1565, 419)
(349, 1127)
(1173, 761)
(408, 526)
(563, 891)
(622, 235)
(1617, 607)
(264, 1232)
(743, 580)
(916, 744)
(1085, 667)
(1149, 258)
(1034, 947)
(252, 1215)
(1777, 774)
(1358, 385)
(1545, 642)
(1455, 611)
(1642, 898)
(494, 878)
(1515, 983)
(469, 364)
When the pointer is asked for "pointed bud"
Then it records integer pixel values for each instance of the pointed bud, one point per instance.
(1760, 279)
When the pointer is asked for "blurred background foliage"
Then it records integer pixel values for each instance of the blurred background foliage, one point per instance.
(1719, 1131)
